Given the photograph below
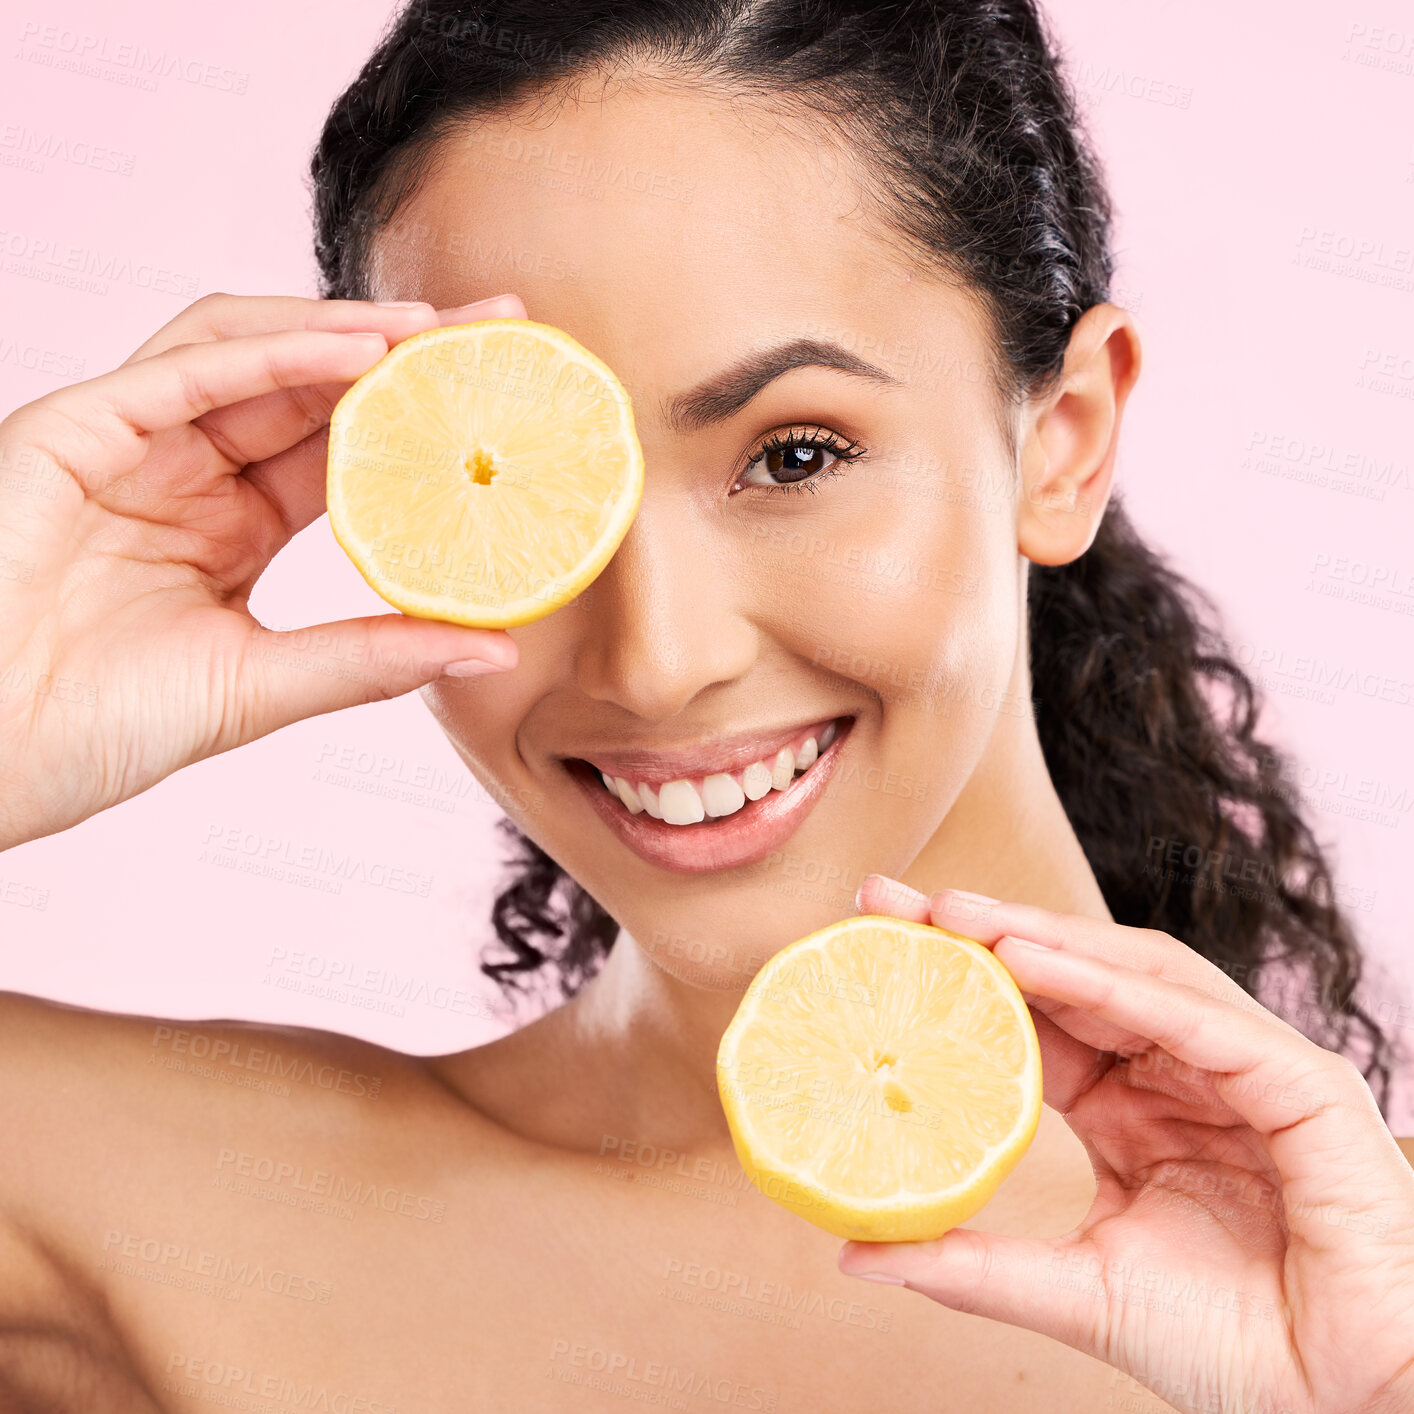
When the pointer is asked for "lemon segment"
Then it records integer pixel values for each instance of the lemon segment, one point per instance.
(483, 473)
(881, 1078)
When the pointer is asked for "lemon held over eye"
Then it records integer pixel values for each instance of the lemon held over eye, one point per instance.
(881, 1078)
(483, 473)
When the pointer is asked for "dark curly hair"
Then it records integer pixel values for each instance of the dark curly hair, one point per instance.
(1190, 822)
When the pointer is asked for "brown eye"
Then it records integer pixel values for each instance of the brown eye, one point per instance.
(798, 459)
(796, 463)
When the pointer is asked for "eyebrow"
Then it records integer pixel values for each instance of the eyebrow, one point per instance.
(725, 393)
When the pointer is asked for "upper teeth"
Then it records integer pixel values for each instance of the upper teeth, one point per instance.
(686, 802)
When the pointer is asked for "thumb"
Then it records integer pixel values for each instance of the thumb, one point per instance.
(1040, 1286)
(302, 672)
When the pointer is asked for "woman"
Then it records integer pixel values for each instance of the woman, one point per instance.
(852, 249)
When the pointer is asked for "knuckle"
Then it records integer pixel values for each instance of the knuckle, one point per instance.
(43, 425)
(1344, 1072)
(14, 427)
(188, 376)
(1157, 939)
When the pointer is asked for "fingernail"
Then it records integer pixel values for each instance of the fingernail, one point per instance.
(472, 667)
(890, 888)
(878, 1276)
(964, 896)
(403, 303)
(1025, 943)
(447, 314)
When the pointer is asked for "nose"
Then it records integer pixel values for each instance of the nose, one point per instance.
(663, 620)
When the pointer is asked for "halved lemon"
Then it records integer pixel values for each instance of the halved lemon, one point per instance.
(881, 1078)
(483, 473)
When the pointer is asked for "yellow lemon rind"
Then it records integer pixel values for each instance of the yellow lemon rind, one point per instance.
(472, 613)
(908, 1216)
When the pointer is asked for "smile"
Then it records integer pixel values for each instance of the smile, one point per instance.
(686, 801)
(692, 813)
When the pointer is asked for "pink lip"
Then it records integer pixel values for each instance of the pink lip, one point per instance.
(729, 842)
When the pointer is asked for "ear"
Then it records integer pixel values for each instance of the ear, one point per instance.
(1070, 438)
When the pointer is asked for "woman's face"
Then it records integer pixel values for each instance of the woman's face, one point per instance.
(728, 268)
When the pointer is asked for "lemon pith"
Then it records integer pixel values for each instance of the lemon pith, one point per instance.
(483, 473)
(881, 1078)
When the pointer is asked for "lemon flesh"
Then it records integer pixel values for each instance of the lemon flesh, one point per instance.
(881, 1078)
(483, 473)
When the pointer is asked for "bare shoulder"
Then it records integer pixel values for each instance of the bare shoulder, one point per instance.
(107, 1113)
(132, 1137)
(135, 1062)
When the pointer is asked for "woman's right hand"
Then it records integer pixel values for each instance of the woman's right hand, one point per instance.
(137, 511)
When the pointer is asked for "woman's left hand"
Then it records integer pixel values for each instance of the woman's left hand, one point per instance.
(1251, 1245)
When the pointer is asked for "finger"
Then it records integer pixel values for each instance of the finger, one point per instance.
(258, 428)
(290, 675)
(1301, 1098)
(985, 920)
(880, 894)
(223, 316)
(295, 481)
(1146, 949)
(1069, 1065)
(254, 431)
(1018, 1280)
(498, 307)
(102, 425)
(1089, 1030)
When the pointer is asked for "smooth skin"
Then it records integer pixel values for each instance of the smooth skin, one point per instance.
(555, 1220)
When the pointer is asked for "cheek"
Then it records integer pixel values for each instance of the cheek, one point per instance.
(915, 600)
(914, 597)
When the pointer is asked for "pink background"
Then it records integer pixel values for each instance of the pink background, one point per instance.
(1262, 163)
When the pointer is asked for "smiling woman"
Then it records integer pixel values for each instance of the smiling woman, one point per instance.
(852, 249)
(845, 198)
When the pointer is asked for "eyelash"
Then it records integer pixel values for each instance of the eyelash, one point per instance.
(805, 436)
